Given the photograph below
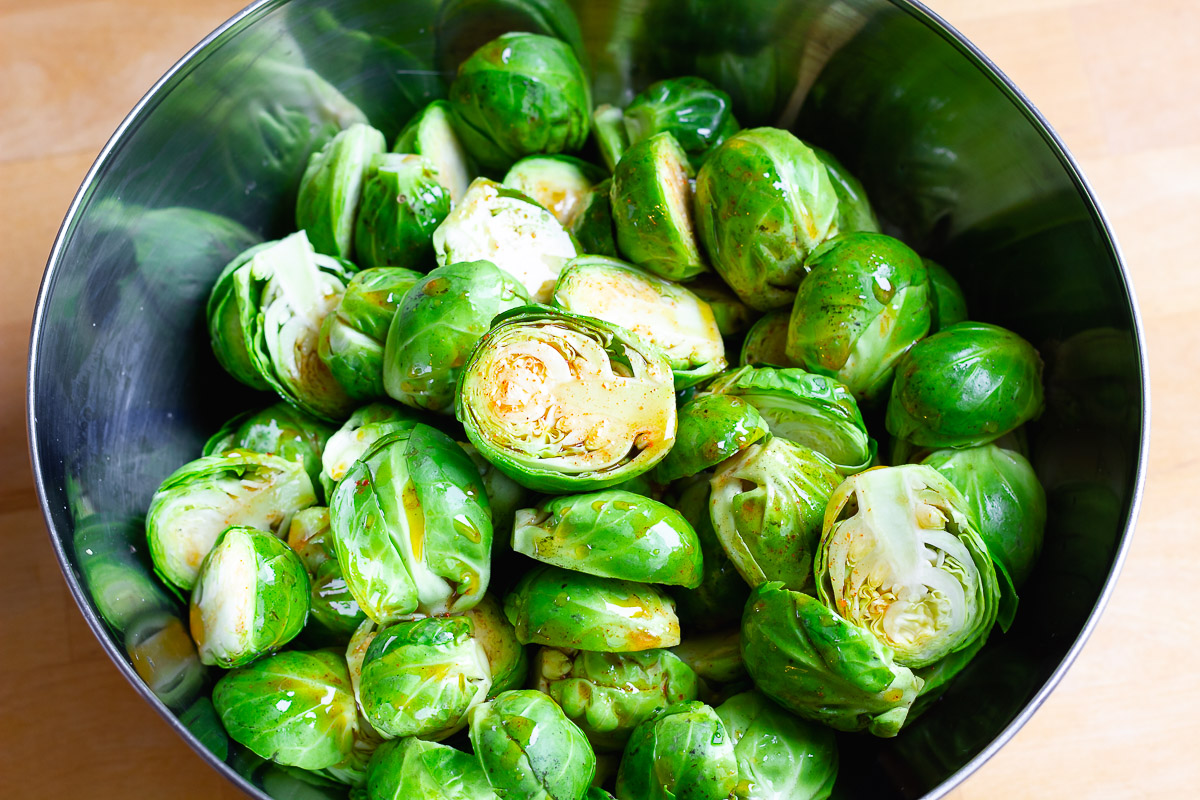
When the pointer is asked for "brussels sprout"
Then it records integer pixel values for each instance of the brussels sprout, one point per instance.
(812, 410)
(352, 338)
(356, 653)
(204, 497)
(264, 315)
(364, 427)
(612, 534)
(165, 658)
(251, 598)
(332, 605)
(712, 428)
(767, 504)
(609, 694)
(295, 708)
(732, 315)
(1007, 501)
(112, 562)
(716, 657)
(420, 678)
(652, 209)
(900, 557)
(949, 303)
(593, 225)
(821, 667)
(560, 184)
(520, 94)
(463, 25)
(412, 527)
(763, 203)
(721, 595)
(501, 225)
(403, 202)
(854, 211)
(507, 659)
(332, 186)
(612, 138)
(529, 749)
(431, 134)
(864, 305)
(779, 757)
(683, 753)
(661, 312)
(438, 325)
(565, 403)
(596, 793)
(413, 768)
(560, 608)
(504, 494)
(766, 342)
(696, 113)
(278, 430)
(967, 385)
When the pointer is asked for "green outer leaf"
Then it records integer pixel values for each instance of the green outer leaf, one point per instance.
(766, 342)
(225, 313)
(612, 138)
(820, 667)
(696, 113)
(331, 604)
(431, 134)
(364, 427)
(949, 303)
(593, 226)
(506, 655)
(416, 769)
(327, 202)
(715, 657)
(558, 183)
(685, 753)
(560, 608)
(612, 534)
(712, 428)
(403, 201)
(721, 595)
(504, 495)
(854, 210)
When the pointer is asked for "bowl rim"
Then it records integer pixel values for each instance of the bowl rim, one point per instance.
(916, 9)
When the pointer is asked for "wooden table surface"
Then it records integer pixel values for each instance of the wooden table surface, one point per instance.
(1119, 80)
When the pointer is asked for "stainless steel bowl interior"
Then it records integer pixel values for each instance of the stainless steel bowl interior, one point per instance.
(123, 388)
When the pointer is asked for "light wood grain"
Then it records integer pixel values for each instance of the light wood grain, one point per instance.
(1119, 82)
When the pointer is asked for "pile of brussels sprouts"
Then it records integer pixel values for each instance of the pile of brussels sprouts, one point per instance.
(518, 528)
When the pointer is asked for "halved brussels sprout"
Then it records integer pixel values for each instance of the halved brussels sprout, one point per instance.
(612, 138)
(204, 497)
(504, 495)
(279, 430)
(560, 184)
(766, 342)
(412, 528)
(507, 659)
(364, 427)
(864, 305)
(518, 95)
(332, 186)
(420, 678)
(696, 113)
(721, 595)
(609, 694)
(431, 134)
(1007, 499)
(659, 311)
(294, 708)
(438, 325)
(403, 202)
(528, 748)
(767, 505)
(967, 385)
(412, 769)
(900, 557)
(352, 337)
(560, 608)
(732, 315)
(501, 225)
(612, 534)
(593, 226)
(808, 409)
(949, 302)
(854, 211)
(712, 428)
(652, 209)
(565, 403)
(764, 201)
(779, 757)
(251, 598)
(821, 667)
(685, 752)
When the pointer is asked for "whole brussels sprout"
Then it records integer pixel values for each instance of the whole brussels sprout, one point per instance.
(662, 313)
(431, 134)
(565, 403)
(821, 667)
(251, 598)
(593, 226)
(411, 768)
(438, 325)
(560, 184)
(364, 427)
(612, 534)
(295, 708)
(696, 113)
(764, 201)
(420, 678)
(528, 748)
(204, 497)
(766, 342)
(507, 659)
(949, 302)
(652, 201)
(403, 202)
(779, 757)
(560, 608)
(352, 337)
(518, 95)
(712, 428)
(412, 527)
(501, 225)
(1006, 498)
(900, 556)
(967, 385)
(864, 305)
(732, 315)
(279, 430)
(612, 138)
(767, 505)
(685, 753)
(332, 186)
(609, 694)
(854, 210)
(504, 495)
(718, 600)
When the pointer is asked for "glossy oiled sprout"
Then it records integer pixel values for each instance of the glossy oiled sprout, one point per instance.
(696, 113)
(431, 134)
(364, 427)
(403, 202)
(712, 428)
(507, 659)
(331, 188)
(684, 752)
(412, 768)
(561, 184)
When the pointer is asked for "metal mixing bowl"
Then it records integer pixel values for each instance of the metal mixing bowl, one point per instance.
(123, 388)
